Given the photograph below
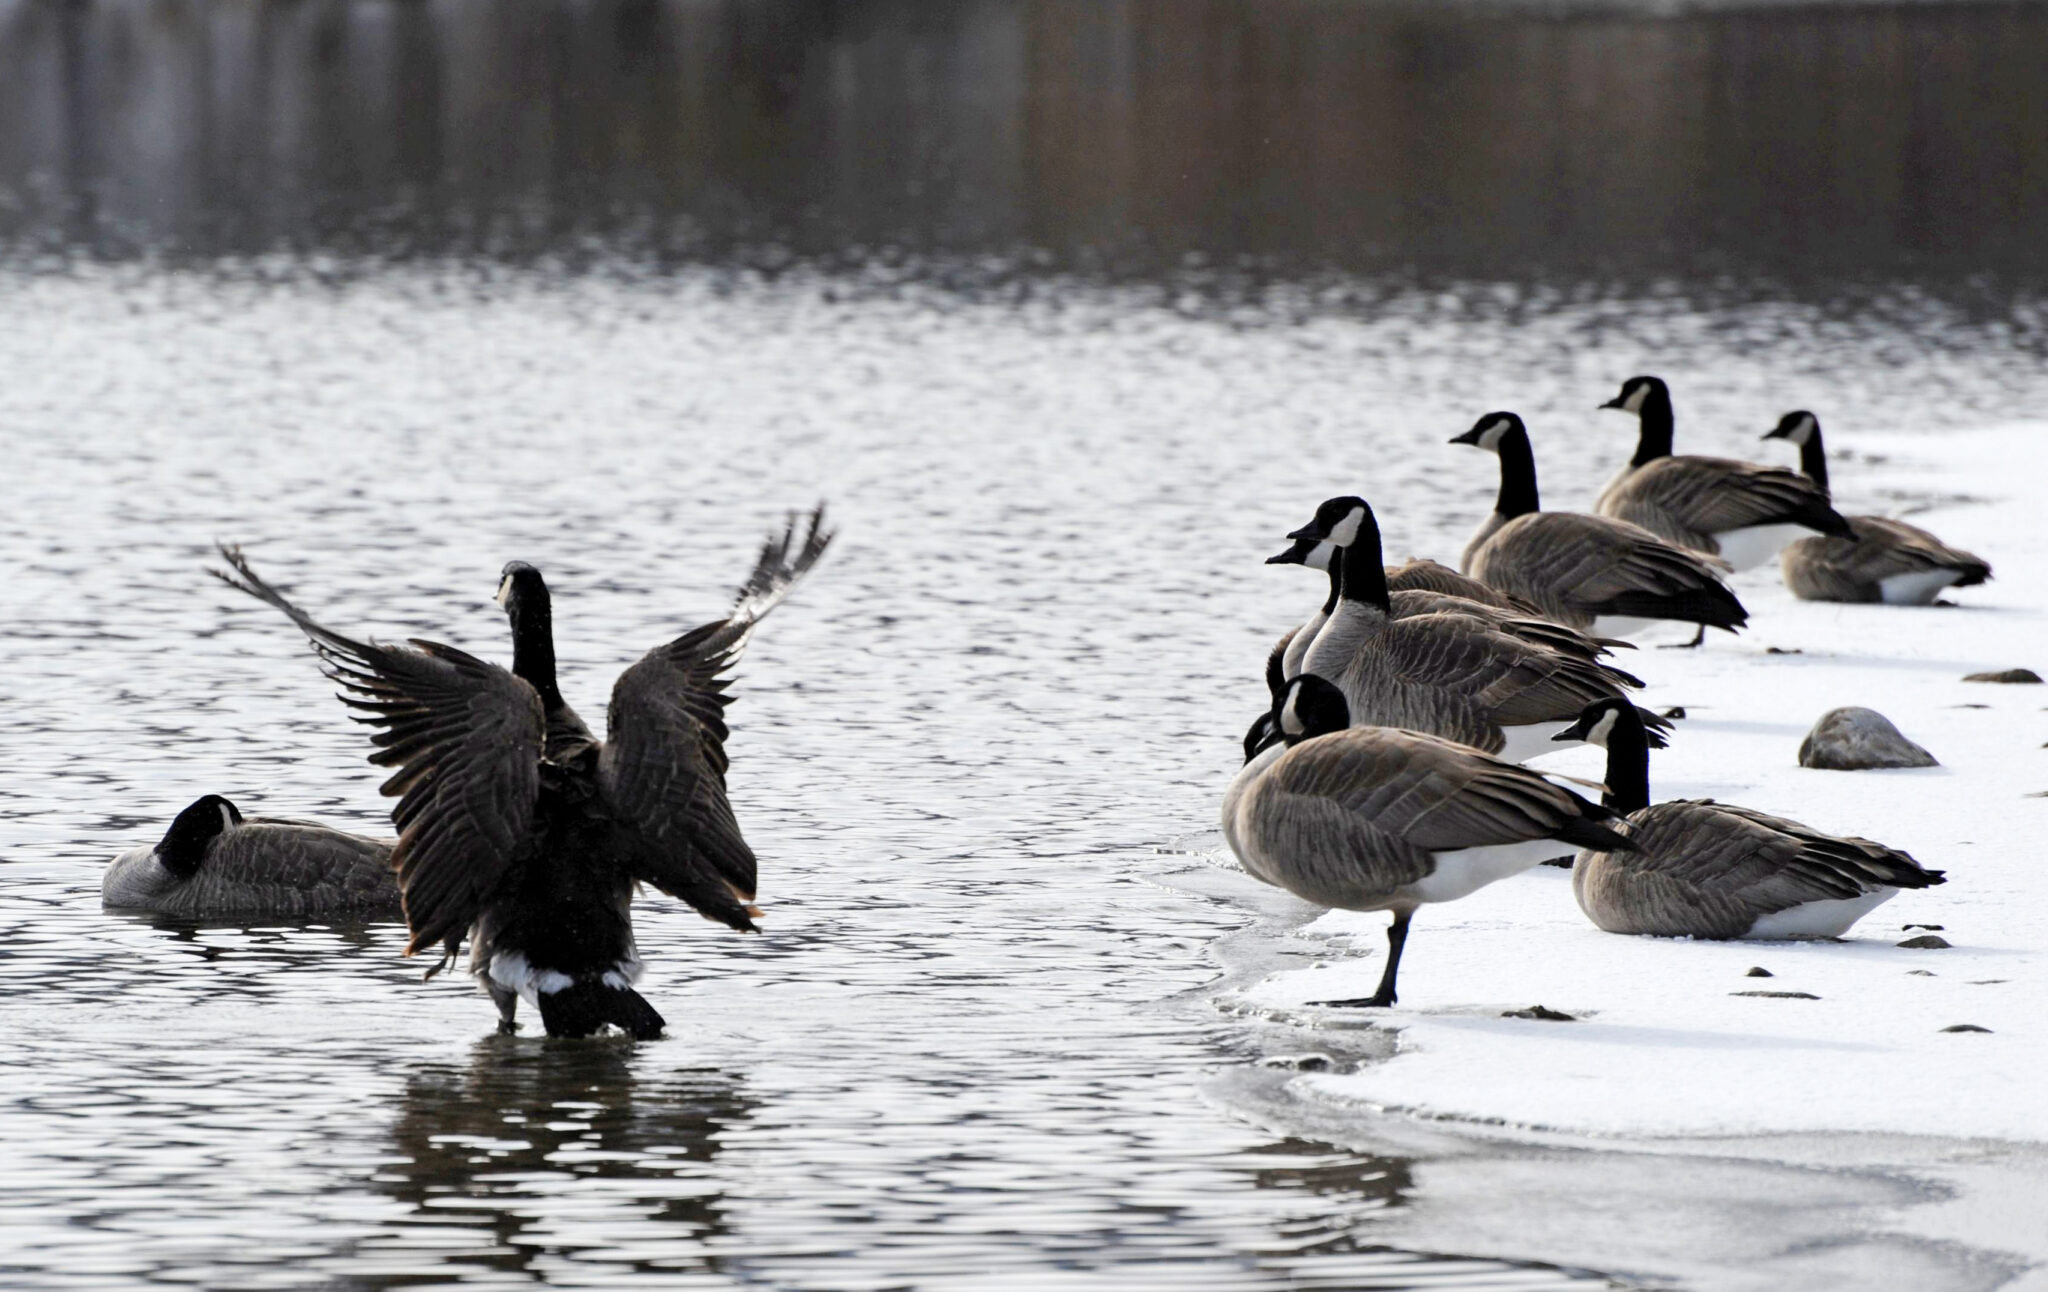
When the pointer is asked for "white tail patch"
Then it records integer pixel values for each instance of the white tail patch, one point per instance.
(1825, 919)
(1917, 588)
(512, 971)
(1752, 545)
(1621, 626)
(1467, 870)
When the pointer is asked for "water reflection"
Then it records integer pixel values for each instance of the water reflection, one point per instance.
(539, 1152)
(1802, 146)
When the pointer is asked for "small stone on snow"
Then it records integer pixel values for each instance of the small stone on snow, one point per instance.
(1853, 739)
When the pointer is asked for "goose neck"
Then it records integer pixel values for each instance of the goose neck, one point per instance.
(1362, 578)
(1654, 439)
(1517, 476)
(1813, 459)
(533, 648)
(1628, 766)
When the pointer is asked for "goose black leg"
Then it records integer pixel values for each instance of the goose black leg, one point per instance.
(1698, 638)
(508, 1006)
(1397, 937)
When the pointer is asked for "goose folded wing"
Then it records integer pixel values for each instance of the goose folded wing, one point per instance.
(465, 738)
(1433, 794)
(1714, 495)
(1883, 548)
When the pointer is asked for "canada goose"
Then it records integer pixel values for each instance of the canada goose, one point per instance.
(1379, 819)
(1497, 610)
(534, 860)
(1887, 560)
(215, 861)
(1590, 572)
(1449, 674)
(1739, 511)
(1710, 870)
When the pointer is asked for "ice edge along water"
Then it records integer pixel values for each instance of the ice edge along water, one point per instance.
(1672, 1037)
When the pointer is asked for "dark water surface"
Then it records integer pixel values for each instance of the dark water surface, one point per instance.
(1069, 309)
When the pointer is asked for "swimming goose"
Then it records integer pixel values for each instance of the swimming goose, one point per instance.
(1887, 560)
(215, 861)
(1703, 869)
(1739, 511)
(533, 860)
(1449, 674)
(1378, 819)
(1590, 572)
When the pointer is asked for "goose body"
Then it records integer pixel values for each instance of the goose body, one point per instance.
(1592, 573)
(524, 834)
(213, 861)
(1711, 870)
(1883, 560)
(1378, 819)
(1456, 675)
(1742, 512)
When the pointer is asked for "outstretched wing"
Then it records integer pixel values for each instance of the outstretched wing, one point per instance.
(465, 737)
(664, 761)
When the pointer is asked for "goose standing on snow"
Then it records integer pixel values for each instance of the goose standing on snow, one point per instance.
(215, 861)
(1887, 560)
(1590, 572)
(1703, 869)
(1451, 675)
(535, 860)
(1739, 511)
(1377, 819)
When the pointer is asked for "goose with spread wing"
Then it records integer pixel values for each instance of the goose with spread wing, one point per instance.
(523, 833)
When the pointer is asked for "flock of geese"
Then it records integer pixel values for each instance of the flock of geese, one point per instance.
(1386, 773)
(519, 830)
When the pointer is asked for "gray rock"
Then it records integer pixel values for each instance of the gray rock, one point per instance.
(1926, 942)
(2022, 675)
(1758, 971)
(1965, 1027)
(1852, 739)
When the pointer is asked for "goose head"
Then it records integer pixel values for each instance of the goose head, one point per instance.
(1637, 392)
(1337, 522)
(1597, 721)
(1264, 732)
(184, 845)
(520, 587)
(1799, 427)
(1312, 552)
(1312, 707)
(1491, 430)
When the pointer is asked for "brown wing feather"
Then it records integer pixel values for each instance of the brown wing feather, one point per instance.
(465, 738)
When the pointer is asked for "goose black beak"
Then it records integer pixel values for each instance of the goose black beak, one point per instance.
(1295, 555)
(1577, 731)
(1310, 532)
(1777, 433)
(1469, 437)
(1613, 403)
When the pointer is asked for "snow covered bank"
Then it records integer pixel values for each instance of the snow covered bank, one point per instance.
(1670, 1038)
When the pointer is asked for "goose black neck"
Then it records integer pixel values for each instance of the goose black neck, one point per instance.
(1517, 475)
(1628, 764)
(1654, 441)
(533, 645)
(1364, 575)
(1813, 459)
(1336, 584)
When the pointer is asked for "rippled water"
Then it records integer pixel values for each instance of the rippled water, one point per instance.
(973, 1044)
(1068, 310)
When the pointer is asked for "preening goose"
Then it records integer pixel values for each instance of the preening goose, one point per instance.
(1378, 819)
(1703, 869)
(535, 860)
(1453, 675)
(1887, 560)
(1739, 511)
(1590, 572)
(215, 861)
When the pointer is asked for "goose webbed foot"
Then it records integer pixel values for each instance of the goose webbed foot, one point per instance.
(1698, 639)
(1397, 938)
